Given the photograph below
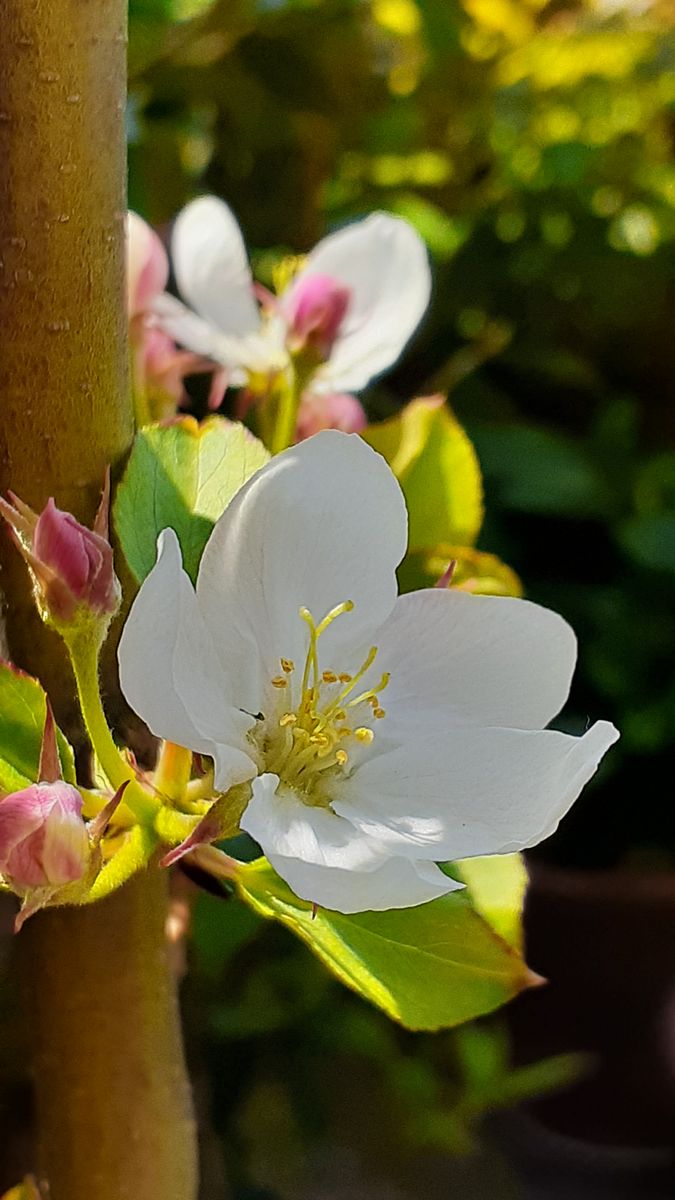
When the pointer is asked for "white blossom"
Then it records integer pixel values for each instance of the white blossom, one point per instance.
(356, 300)
(380, 735)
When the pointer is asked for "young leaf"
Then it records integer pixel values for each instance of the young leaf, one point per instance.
(496, 885)
(429, 967)
(437, 468)
(181, 475)
(22, 722)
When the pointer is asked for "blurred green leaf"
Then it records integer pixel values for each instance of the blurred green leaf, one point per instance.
(537, 471)
(181, 476)
(437, 467)
(429, 967)
(650, 541)
(219, 930)
(22, 722)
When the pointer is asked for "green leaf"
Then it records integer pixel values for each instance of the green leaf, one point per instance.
(496, 885)
(429, 967)
(22, 721)
(181, 475)
(437, 467)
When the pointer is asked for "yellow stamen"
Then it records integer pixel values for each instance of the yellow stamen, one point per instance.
(341, 757)
(364, 735)
(287, 665)
(379, 713)
(287, 719)
(329, 677)
(279, 682)
(344, 677)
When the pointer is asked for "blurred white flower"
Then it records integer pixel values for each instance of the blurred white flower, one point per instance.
(350, 308)
(159, 368)
(379, 735)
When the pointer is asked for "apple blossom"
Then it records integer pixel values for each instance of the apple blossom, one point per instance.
(374, 737)
(349, 310)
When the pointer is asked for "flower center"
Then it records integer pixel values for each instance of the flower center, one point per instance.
(316, 722)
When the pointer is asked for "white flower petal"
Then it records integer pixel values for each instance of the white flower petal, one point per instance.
(322, 523)
(474, 792)
(249, 352)
(167, 669)
(211, 266)
(398, 883)
(477, 660)
(326, 861)
(282, 825)
(385, 264)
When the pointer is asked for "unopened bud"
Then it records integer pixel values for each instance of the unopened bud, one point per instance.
(315, 307)
(337, 410)
(43, 838)
(71, 566)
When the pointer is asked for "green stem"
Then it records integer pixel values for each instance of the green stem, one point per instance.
(84, 654)
(283, 433)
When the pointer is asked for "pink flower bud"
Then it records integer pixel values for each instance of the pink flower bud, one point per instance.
(336, 411)
(43, 838)
(72, 566)
(81, 561)
(315, 309)
(147, 265)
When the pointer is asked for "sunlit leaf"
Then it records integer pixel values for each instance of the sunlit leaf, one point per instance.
(22, 722)
(475, 571)
(438, 470)
(429, 967)
(497, 884)
(181, 475)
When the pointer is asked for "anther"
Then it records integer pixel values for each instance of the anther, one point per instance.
(364, 735)
(344, 677)
(287, 665)
(287, 719)
(279, 682)
(379, 713)
(341, 757)
(329, 677)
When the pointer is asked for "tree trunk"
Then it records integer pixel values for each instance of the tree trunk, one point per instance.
(112, 1097)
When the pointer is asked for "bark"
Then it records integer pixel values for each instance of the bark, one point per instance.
(112, 1097)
